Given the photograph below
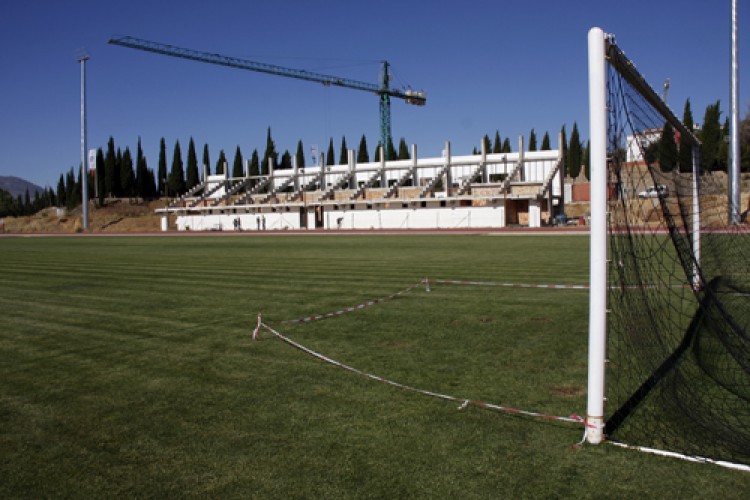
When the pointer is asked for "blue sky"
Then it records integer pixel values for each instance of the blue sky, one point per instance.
(485, 65)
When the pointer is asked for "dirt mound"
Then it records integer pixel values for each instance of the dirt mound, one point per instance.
(116, 216)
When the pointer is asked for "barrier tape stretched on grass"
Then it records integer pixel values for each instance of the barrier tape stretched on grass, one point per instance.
(464, 402)
(512, 285)
(369, 303)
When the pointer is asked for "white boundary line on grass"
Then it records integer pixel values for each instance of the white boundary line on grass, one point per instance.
(681, 456)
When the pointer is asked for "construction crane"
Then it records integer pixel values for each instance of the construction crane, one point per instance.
(383, 90)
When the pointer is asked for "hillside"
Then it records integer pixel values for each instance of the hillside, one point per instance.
(117, 216)
(17, 186)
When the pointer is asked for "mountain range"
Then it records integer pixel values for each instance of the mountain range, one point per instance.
(17, 186)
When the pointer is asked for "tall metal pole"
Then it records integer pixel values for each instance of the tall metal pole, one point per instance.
(84, 167)
(734, 149)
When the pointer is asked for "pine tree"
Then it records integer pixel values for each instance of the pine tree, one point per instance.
(192, 176)
(237, 170)
(300, 155)
(330, 155)
(545, 143)
(141, 173)
(162, 172)
(344, 152)
(574, 153)
(506, 146)
(667, 149)
(685, 147)
(711, 138)
(403, 150)
(177, 173)
(497, 146)
(206, 162)
(532, 141)
(362, 155)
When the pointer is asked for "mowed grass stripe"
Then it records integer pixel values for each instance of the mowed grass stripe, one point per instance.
(136, 375)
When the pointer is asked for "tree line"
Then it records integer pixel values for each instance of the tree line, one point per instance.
(120, 174)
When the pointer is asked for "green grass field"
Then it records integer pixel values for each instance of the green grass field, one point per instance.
(127, 369)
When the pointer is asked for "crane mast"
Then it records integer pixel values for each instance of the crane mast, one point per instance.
(383, 90)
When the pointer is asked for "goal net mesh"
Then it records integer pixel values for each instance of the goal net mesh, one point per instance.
(678, 352)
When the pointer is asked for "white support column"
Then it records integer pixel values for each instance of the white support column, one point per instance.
(485, 171)
(448, 173)
(696, 221)
(295, 172)
(415, 170)
(521, 169)
(598, 237)
(353, 178)
(535, 213)
(383, 180)
(247, 168)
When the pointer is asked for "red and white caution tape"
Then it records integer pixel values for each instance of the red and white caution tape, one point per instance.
(463, 401)
(369, 303)
(512, 285)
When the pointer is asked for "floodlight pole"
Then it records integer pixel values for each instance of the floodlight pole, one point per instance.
(84, 169)
(598, 237)
(734, 149)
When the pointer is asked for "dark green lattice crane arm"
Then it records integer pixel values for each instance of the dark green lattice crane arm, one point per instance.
(383, 89)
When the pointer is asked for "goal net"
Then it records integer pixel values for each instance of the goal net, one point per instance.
(670, 278)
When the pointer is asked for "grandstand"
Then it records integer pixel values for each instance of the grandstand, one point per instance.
(484, 190)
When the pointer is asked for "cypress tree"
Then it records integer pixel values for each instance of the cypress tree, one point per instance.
(685, 148)
(722, 159)
(206, 162)
(711, 138)
(344, 153)
(237, 170)
(587, 160)
(162, 173)
(177, 173)
(330, 155)
(362, 155)
(221, 163)
(391, 150)
(270, 152)
(61, 193)
(574, 153)
(109, 169)
(127, 177)
(497, 147)
(487, 143)
(141, 173)
(255, 166)
(100, 188)
(545, 143)
(667, 149)
(286, 160)
(116, 177)
(192, 176)
(506, 146)
(532, 141)
(403, 150)
(300, 155)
